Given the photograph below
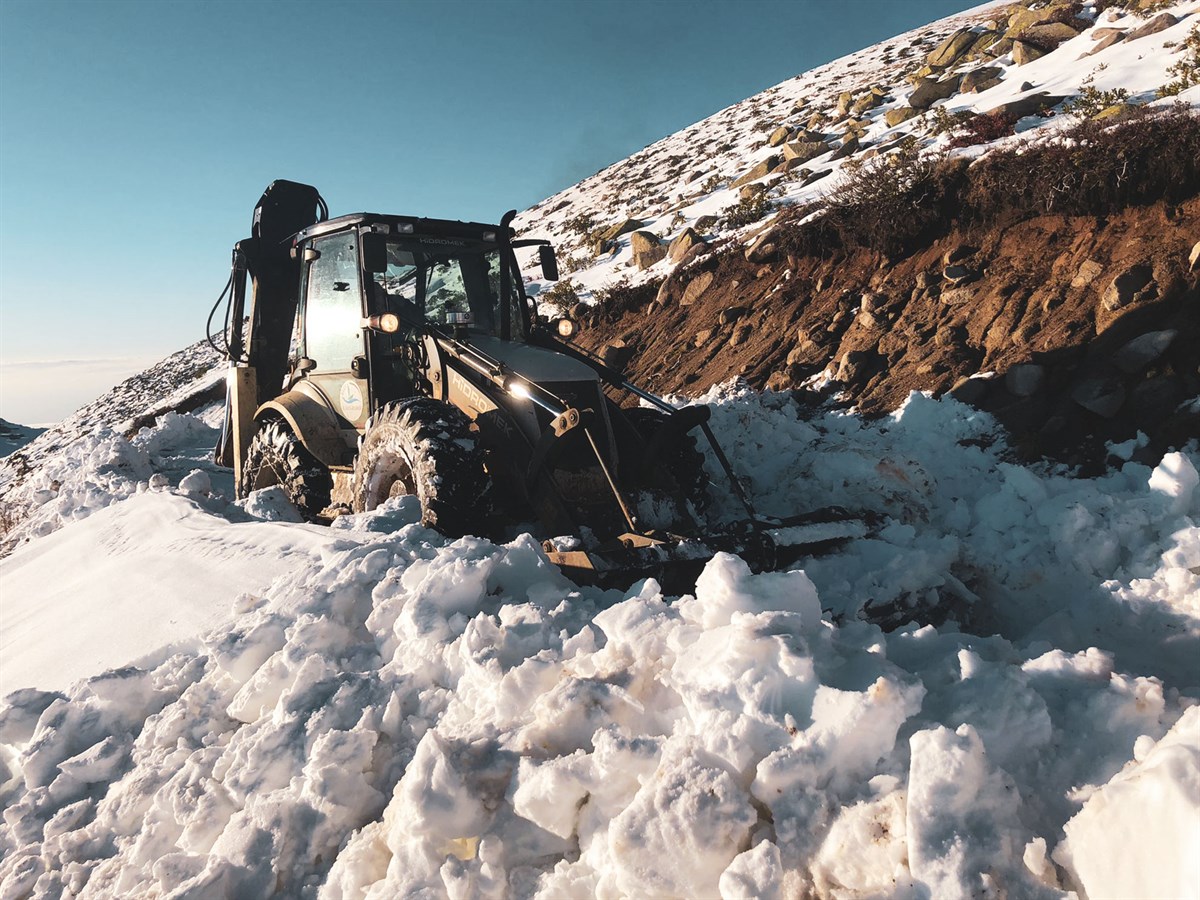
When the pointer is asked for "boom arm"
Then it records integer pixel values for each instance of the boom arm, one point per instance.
(285, 208)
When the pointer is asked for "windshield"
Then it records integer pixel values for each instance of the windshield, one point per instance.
(439, 281)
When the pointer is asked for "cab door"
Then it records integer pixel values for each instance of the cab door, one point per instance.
(333, 333)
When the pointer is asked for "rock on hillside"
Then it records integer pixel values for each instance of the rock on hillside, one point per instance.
(1075, 330)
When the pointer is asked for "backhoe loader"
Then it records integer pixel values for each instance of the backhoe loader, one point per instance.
(384, 355)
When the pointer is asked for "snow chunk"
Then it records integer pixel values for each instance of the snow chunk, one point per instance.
(1137, 836)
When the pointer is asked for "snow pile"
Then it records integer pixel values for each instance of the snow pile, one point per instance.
(187, 381)
(385, 714)
(101, 467)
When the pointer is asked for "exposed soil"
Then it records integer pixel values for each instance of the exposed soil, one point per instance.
(1031, 309)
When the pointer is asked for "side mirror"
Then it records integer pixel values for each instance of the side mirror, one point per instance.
(549, 262)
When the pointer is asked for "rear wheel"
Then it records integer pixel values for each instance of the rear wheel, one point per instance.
(425, 448)
(276, 457)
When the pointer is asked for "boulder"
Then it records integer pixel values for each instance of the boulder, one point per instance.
(779, 136)
(685, 241)
(1103, 396)
(848, 147)
(764, 247)
(957, 254)
(647, 249)
(983, 45)
(1024, 53)
(760, 171)
(915, 78)
(806, 136)
(752, 190)
(695, 288)
(929, 92)
(1143, 350)
(1049, 35)
(816, 176)
(1132, 284)
(998, 49)
(740, 335)
(702, 336)
(1029, 105)
(1024, 19)
(869, 320)
(970, 390)
(867, 101)
(664, 291)
(616, 354)
(1024, 380)
(1101, 34)
(789, 165)
(1117, 111)
(953, 48)
(1114, 38)
(804, 150)
(956, 296)
(957, 275)
(856, 366)
(1161, 22)
(845, 98)
(706, 224)
(894, 117)
(1089, 270)
(731, 314)
(980, 79)
(1194, 257)
(615, 231)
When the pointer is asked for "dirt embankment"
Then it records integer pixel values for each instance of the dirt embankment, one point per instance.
(1090, 325)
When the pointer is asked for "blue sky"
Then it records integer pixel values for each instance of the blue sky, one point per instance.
(135, 137)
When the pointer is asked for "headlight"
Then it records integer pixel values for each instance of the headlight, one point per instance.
(388, 323)
(567, 328)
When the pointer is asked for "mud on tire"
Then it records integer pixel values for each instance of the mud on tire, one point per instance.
(425, 448)
(276, 457)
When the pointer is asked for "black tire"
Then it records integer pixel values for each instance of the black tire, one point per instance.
(428, 449)
(276, 457)
(683, 463)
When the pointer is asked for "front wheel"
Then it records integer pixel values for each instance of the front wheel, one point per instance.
(276, 457)
(428, 449)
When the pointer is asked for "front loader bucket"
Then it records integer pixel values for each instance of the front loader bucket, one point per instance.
(677, 561)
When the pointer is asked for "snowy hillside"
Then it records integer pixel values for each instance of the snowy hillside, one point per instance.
(994, 695)
(787, 146)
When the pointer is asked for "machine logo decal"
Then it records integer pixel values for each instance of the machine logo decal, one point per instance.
(351, 400)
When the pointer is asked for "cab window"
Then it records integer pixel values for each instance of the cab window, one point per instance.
(333, 304)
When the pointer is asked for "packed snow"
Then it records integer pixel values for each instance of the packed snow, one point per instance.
(260, 707)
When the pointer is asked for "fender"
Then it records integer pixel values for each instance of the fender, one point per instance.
(312, 422)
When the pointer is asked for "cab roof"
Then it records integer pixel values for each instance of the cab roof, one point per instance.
(411, 225)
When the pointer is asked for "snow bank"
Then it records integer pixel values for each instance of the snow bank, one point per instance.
(393, 714)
